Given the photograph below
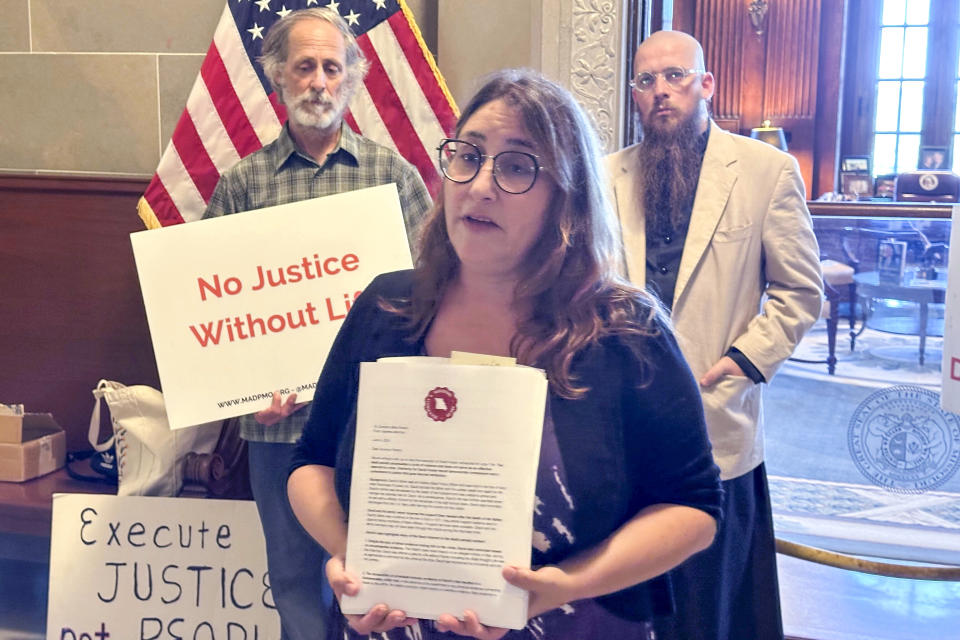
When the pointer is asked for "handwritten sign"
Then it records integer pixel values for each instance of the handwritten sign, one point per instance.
(950, 366)
(244, 305)
(146, 568)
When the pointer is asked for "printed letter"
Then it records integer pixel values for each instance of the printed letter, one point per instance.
(214, 289)
(259, 284)
(208, 334)
(350, 262)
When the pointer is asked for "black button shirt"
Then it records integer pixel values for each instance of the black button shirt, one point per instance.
(665, 246)
(664, 251)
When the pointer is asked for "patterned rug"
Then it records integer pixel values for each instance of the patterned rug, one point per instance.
(823, 491)
(877, 358)
(866, 520)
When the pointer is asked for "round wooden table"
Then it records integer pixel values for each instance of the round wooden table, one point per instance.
(912, 319)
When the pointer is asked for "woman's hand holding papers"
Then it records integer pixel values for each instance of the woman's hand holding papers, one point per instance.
(469, 626)
(643, 547)
(310, 490)
(380, 618)
(278, 410)
(549, 588)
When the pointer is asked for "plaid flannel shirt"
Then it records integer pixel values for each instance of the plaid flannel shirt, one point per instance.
(280, 174)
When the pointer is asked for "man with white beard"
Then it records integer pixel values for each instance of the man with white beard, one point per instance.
(315, 65)
(717, 226)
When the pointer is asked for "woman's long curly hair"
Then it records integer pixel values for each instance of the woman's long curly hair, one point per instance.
(569, 279)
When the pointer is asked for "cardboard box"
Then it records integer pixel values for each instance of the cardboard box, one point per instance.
(11, 429)
(42, 447)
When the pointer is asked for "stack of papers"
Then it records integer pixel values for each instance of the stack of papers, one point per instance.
(442, 495)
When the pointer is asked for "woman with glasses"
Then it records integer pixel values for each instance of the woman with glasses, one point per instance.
(519, 257)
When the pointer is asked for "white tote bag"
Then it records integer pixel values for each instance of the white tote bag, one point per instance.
(150, 456)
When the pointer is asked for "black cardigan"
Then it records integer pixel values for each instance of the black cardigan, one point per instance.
(624, 447)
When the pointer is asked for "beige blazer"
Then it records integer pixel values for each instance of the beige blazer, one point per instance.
(749, 277)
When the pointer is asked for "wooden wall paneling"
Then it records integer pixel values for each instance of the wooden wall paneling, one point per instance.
(71, 306)
(791, 74)
(684, 14)
(791, 59)
(830, 79)
(772, 75)
(655, 9)
(859, 89)
(790, 86)
(940, 92)
(722, 28)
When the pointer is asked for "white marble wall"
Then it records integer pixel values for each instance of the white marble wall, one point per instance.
(100, 84)
(575, 42)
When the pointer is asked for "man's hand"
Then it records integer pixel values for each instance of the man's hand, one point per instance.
(725, 366)
(277, 410)
(380, 618)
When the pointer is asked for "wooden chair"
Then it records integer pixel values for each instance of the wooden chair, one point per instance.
(927, 186)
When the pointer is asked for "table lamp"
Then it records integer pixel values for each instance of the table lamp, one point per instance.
(770, 135)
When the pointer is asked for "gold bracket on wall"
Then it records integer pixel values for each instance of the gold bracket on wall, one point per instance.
(758, 15)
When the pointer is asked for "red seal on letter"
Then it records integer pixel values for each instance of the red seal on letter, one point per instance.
(440, 403)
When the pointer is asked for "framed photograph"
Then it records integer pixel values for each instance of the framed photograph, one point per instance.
(933, 159)
(856, 185)
(891, 256)
(855, 164)
(886, 186)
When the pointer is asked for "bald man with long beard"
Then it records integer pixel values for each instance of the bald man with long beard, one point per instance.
(716, 225)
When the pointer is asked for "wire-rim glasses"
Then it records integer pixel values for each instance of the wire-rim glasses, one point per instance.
(673, 76)
(515, 172)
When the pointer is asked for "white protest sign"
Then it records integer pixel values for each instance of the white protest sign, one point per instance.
(147, 568)
(243, 305)
(950, 391)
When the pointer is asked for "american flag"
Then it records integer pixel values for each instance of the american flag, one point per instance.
(231, 111)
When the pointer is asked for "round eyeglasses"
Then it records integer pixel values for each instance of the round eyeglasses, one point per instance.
(674, 76)
(514, 171)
